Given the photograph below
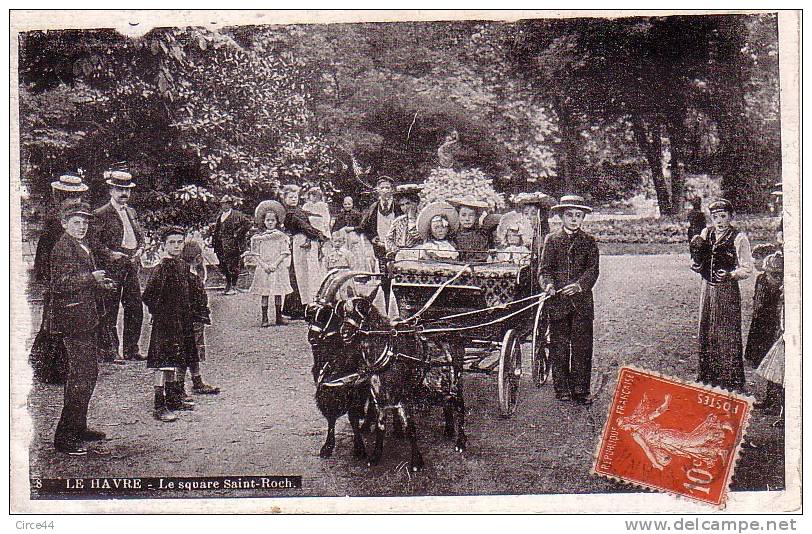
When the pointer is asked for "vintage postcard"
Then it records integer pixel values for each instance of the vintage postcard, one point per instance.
(482, 261)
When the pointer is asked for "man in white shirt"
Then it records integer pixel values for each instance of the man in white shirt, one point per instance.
(119, 241)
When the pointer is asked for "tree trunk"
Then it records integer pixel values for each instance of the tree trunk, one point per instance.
(570, 143)
(676, 135)
(653, 152)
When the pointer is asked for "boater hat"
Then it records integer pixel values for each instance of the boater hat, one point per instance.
(432, 210)
(269, 205)
(572, 202)
(70, 183)
(121, 179)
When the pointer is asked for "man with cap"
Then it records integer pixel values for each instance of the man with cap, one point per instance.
(76, 286)
(377, 218)
(48, 352)
(228, 240)
(376, 224)
(568, 272)
(119, 242)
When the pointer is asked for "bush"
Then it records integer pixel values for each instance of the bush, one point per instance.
(759, 229)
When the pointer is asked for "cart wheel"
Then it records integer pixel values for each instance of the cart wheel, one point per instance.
(510, 373)
(541, 351)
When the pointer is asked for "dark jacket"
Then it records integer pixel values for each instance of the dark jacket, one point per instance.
(472, 244)
(76, 296)
(347, 218)
(297, 222)
(369, 221)
(167, 298)
(107, 232)
(229, 237)
(51, 232)
(568, 259)
(198, 300)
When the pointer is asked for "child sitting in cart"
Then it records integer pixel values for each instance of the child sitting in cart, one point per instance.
(514, 250)
(437, 224)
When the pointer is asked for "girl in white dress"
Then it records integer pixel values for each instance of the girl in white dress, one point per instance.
(270, 252)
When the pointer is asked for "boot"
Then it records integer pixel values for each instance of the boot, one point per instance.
(279, 319)
(183, 395)
(773, 399)
(265, 322)
(201, 388)
(161, 412)
(174, 399)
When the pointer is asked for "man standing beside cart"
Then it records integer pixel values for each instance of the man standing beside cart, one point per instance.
(568, 272)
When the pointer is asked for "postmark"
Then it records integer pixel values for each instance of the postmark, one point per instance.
(672, 436)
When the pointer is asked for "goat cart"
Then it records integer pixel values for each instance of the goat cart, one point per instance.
(488, 310)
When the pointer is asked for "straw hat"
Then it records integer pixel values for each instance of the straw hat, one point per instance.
(411, 191)
(121, 179)
(575, 202)
(542, 200)
(264, 207)
(469, 202)
(70, 183)
(514, 219)
(432, 210)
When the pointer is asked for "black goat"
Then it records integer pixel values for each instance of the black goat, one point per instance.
(333, 359)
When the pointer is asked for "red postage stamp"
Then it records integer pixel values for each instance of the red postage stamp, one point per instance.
(671, 436)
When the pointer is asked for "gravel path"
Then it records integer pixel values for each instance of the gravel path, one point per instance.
(265, 420)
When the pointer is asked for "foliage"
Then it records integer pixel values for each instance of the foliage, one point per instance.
(445, 184)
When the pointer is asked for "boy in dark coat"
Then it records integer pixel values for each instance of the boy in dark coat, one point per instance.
(76, 288)
(569, 270)
(172, 342)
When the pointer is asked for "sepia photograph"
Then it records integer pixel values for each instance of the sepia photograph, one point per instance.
(475, 256)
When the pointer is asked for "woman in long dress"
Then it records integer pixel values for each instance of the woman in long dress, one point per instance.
(319, 216)
(305, 237)
(721, 254)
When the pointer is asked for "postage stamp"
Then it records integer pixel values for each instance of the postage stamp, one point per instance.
(672, 436)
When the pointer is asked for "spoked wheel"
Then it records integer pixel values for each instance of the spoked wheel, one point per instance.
(510, 373)
(541, 351)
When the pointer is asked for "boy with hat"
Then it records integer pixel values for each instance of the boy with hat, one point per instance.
(76, 285)
(119, 241)
(172, 341)
(568, 271)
